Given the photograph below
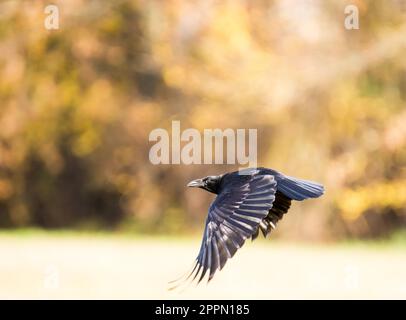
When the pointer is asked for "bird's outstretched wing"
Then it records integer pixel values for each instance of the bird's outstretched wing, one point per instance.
(233, 217)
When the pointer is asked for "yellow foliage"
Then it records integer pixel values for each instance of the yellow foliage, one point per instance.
(78, 104)
(379, 196)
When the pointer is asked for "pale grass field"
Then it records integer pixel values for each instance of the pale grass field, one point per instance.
(43, 266)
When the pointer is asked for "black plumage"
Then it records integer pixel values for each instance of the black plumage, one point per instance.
(247, 202)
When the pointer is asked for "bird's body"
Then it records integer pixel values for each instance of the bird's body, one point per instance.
(247, 202)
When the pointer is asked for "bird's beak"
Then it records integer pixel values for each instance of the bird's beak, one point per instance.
(196, 183)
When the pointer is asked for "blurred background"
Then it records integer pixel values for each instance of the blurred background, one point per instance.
(83, 212)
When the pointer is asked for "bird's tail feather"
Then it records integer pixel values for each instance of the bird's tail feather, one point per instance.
(298, 189)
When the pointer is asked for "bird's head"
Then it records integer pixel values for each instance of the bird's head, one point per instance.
(210, 183)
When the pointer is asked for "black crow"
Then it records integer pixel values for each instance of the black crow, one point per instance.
(247, 201)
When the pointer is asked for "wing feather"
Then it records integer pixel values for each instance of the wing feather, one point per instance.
(234, 216)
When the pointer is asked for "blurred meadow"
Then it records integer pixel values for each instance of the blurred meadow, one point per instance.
(84, 213)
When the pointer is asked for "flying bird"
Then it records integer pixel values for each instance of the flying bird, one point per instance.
(247, 202)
